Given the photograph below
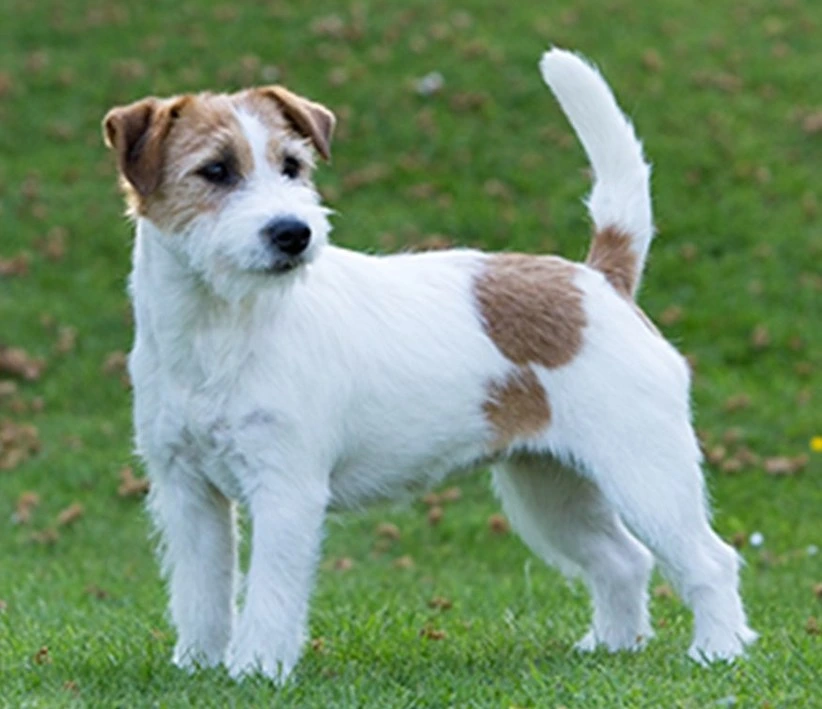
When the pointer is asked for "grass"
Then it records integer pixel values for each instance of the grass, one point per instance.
(727, 98)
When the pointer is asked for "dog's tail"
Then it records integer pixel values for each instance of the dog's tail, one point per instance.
(620, 201)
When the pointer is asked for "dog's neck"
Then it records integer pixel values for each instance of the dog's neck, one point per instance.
(174, 306)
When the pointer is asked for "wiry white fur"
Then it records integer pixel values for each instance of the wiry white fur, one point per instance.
(355, 377)
(621, 195)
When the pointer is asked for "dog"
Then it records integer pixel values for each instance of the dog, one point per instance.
(273, 370)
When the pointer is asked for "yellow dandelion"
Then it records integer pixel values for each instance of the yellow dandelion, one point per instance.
(816, 444)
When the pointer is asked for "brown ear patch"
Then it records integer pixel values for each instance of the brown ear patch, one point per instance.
(311, 120)
(612, 255)
(531, 308)
(517, 407)
(137, 133)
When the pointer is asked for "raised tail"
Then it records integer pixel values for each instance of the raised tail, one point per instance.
(620, 201)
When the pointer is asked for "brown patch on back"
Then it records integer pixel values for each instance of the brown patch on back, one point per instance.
(612, 255)
(533, 312)
(531, 308)
(518, 407)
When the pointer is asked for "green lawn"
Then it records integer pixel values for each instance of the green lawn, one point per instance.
(727, 98)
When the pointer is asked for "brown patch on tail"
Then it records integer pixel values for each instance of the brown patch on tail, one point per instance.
(611, 254)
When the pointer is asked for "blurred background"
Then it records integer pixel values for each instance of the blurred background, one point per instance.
(446, 136)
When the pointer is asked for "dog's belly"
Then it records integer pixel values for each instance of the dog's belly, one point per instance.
(378, 472)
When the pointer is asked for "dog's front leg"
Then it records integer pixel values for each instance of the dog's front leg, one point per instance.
(287, 512)
(197, 527)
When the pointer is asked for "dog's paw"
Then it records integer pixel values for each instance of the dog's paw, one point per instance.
(190, 659)
(722, 646)
(263, 656)
(614, 642)
(587, 643)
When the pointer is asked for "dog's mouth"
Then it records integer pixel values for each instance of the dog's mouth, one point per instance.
(280, 267)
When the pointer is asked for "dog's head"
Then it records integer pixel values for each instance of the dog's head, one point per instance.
(226, 180)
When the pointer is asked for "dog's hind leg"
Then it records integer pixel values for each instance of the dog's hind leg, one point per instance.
(566, 520)
(658, 492)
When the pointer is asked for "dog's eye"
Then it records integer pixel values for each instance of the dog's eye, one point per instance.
(291, 167)
(218, 172)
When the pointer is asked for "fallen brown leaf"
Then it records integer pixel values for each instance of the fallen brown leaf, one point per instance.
(6, 83)
(25, 505)
(812, 626)
(440, 603)
(737, 402)
(689, 251)
(18, 442)
(733, 435)
(452, 494)
(721, 80)
(466, 101)
(812, 123)
(731, 465)
(96, 592)
(45, 536)
(15, 266)
(435, 515)
(388, 530)
(671, 315)
(716, 454)
(66, 340)
(344, 563)
(651, 60)
(131, 486)
(17, 362)
(664, 591)
(498, 524)
(376, 172)
(785, 465)
(70, 514)
(431, 499)
(497, 189)
(433, 633)
(42, 657)
(433, 242)
(53, 246)
(760, 337)
(115, 363)
(403, 562)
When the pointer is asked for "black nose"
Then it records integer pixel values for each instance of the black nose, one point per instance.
(289, 235)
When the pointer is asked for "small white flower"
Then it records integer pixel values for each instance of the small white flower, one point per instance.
(757, 539)
(812, 550)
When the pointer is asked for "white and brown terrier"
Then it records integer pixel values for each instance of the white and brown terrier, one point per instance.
(274, 370)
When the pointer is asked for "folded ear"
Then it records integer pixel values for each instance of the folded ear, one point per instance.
(136, 132)
(309, 119)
